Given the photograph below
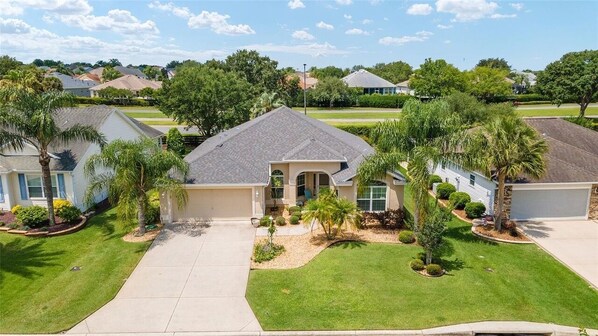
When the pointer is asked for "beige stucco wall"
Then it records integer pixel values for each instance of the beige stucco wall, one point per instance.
(394, 193)
(215, 204)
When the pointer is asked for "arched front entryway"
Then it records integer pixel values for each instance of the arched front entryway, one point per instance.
(308, 184)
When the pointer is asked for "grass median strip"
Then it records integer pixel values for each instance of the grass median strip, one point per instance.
(554, 112)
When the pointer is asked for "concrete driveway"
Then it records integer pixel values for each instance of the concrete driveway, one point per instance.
(193, 278)
(574, 243)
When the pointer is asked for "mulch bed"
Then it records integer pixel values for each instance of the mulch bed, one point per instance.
(133, 237)
(488, 231)
(7, 218)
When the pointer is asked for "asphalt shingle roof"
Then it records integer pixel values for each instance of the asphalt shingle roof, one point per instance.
(69, 82)
(365, 79)
(242, 155)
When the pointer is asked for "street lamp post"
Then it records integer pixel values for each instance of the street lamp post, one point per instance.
(304, 88)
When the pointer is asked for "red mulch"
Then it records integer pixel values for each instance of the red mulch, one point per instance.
(7, 217)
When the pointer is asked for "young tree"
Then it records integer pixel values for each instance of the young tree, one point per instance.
(110, 73)
(506, 147)
(437, 78)
(210, 99)
(394, 72)
(175, 142)
(331, 91)
(572, 78)
(329, 71)
(331, 213)
(488, 83)
(147, 92)
(265, 103)
(495, 63)
(129, 170)
(430, 236)
(30, 119)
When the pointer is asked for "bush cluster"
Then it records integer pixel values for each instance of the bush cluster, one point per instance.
(264, 252)
(15, 209)
(265, 221)
(377, 100)
(66, 210)
(32, 216)
(444, 190)
(280, 221)
(417, 265)
(406, 237)
(474, 209)
(294, 220)
(434, 269)
(110, 101)
(434, 179)
(359, 130)
(459, 199)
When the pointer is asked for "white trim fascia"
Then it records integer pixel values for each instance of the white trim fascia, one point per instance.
(223, 186)
(123, 116)
(550, 186)
(38, 171)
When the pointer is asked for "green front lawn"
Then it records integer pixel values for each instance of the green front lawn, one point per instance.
(370, 286)
(146, 114)
(556, 112)
(360, 115)
(38, 291)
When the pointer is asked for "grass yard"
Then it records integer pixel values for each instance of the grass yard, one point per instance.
(364, 115)
(39, 293)
(146, 114)
(370, 286)
(554, 111)
(160, 123)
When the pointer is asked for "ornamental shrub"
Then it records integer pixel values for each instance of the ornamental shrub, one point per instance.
(296, 214)
(32, 216)
(265, 221)
(294, 209)
(175, 142)
(444, 190)
(474, 209)
(263, 252)
(294, 220)
(434, 179)
(434, 269)
(61, 203)
(406, 237)
(15, 209)
(458, 199)
(69, 213)
(280, 221)
(152, 214)
(388, 101)
(417, 265)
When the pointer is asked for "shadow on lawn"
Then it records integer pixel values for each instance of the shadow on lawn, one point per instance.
(23, 256)
(463, 233)
(349, 244)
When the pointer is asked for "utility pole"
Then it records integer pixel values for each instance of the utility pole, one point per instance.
(304, 88)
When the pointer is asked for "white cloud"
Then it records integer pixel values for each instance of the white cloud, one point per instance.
(302, 35)
(398, 41)
(447, 41)
(441, 26)
(503, 16)
(356, 31)
(347, 16)
(366, 21)
(517, 6)
(218, 23)
(468, 10)
(59, 7)
(344, 2)
(324, 25)
(182, 12)
(375, 2)
(313, 49)
(420, 9)
(294, 4)
(117, 20)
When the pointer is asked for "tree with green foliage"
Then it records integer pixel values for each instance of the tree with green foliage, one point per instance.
(331, 212)
(115, 94)
(470, 110)
(495, 63)
(173, 64)
(129, 170)
(8, 63)
(488, 83)
(331, 92)
(259, 71)
(431, 234)
(265, 103)
(329, 71)
(395, 72)
(572, 78)
(147, 92)
(153, 73)
(29, 119)
(51, 84)
(437, 78)
(175, 142)
(110, 73)
(210, 99)
(507, 148)
(30, 78)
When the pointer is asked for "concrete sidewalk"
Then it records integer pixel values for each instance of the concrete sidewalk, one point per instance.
(193, 278)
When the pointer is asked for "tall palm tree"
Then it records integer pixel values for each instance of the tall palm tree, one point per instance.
(28, 118)
(331, 212)
(426, 134)
(506, 148)
(265, 103)
(129, 169)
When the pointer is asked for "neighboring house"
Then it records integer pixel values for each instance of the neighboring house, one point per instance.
(90, 77)
(369, 82)
(568, 190)
(282, 157)
(170, 72)
(129, 82)
(403, 88)
(77, 87)
(123, 71)
(310, 82)
(20, 172)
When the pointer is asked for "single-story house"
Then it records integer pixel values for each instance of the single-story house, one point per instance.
(403, 88)
(568, 190)
(128, 82)
(20, 172)
(280, 158)
(369, 82)
(77, 87)
(310, 82)
(121, 69)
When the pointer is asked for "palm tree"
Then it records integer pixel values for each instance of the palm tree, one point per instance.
(129, 169)
(28, 119)
(331, 212)
(265, 103)
(426, 134)
(506, 148)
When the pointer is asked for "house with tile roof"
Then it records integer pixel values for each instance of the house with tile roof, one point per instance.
(568, 190)
(20, 171)
(128, 82)
(369, 82)
(280, 158)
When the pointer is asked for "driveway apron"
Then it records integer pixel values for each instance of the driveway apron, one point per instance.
(192, 278)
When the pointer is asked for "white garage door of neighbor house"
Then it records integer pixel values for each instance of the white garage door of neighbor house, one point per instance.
(550, 204)
(218, 204)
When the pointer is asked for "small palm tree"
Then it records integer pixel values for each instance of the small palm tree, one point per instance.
(28, 118)
(265, 103)
(506, 148)
(331, 212)
(129, 169)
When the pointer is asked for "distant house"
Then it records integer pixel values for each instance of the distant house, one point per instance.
(310, 81)
(128, 82)
(20, 172)
(170, 72)
(76, 86)
(90, 77)
(369, 82)
(121, 69)
(529, 80)
(403, 88)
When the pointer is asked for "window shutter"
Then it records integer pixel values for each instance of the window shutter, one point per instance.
(61, 188)
(23, 186)
(1, 191)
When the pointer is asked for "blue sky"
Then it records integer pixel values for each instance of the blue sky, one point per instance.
(528, 34)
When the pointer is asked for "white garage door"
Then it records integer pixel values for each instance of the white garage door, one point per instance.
(216, 204)
(550, 204)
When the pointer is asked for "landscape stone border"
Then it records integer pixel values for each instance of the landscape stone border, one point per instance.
(46, 233)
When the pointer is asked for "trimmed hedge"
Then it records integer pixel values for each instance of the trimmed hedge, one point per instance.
(32, 216)
(475, 209)
(359, 130)
(294, 220)
(434, 179)
(459, 199)
(110, 101)
(265, 221)
(417, 265)
(434, 269)
(406, 237)
(280, 221)
(386, 101)
(444, 190)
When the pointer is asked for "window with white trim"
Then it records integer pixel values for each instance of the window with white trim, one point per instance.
(372, 198)
(35, 187)
(301, 185)
(471, 180)
(277, 184)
